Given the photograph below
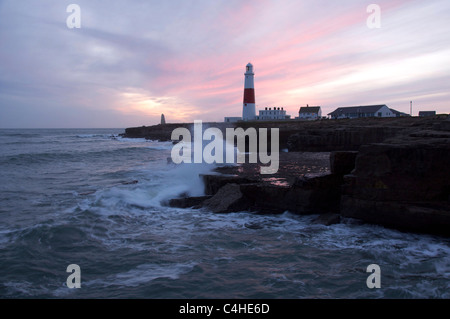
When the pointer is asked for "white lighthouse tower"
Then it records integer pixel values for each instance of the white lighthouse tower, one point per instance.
(248, 108)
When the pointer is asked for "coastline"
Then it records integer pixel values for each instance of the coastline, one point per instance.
(390, 172)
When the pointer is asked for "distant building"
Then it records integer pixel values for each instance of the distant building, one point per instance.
(399, 114)
(310, 113)
(276, 113)
(352, 112)
(427, 113)
(163, 119)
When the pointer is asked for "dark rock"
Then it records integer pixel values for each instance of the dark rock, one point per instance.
(186, 202)
(163, 132)
(323, 193)
(417, 217)
(229, 198)
(155, 132)
(342, 162)
(308, 195)
(328, 219)
(444, 125)
(215, 182)
(266, 198)
(253, 226)
(339, 139)
(321, 136)
(409, 171)
(318, 181)
(430, 134)
(403, 184)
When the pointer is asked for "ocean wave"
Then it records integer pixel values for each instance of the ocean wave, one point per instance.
(102, 136)
(154, 187)
(74, 155)
(133, 140)
(143, 274)
(7, 236)
(160, 147)
(24, 288)
(157, 145)
(124, 238)
(21, 135)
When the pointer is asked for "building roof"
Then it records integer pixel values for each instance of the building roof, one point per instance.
(427, 112)
(357, 109)
(398, 113)
(309, 109)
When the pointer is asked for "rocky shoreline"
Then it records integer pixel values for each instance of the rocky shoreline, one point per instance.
(390, 172)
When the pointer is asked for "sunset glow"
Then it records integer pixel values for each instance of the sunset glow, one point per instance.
(131, 61)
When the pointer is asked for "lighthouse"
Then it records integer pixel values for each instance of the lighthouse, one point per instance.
(248, 108)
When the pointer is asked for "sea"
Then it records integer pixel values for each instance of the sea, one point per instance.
(91, 198)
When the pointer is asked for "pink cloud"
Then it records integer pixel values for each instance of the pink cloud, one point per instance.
(312, 51)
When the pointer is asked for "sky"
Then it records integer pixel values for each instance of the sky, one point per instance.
(131, 61)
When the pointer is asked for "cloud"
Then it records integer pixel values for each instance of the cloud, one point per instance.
(132, 61)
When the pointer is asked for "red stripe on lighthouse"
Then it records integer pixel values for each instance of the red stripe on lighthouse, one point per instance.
(249, 96)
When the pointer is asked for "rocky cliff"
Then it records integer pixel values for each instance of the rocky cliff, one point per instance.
(402, 183)
(311, 136)
(339, 139)
(163, 132)
(392, 172)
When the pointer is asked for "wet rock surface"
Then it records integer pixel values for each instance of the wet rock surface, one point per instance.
(303, 185)
(402, 183)
(392, 172)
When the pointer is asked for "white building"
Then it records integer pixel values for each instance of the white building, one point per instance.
(232, 119)
(276, 113)
(362, 111)
(310, 113)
